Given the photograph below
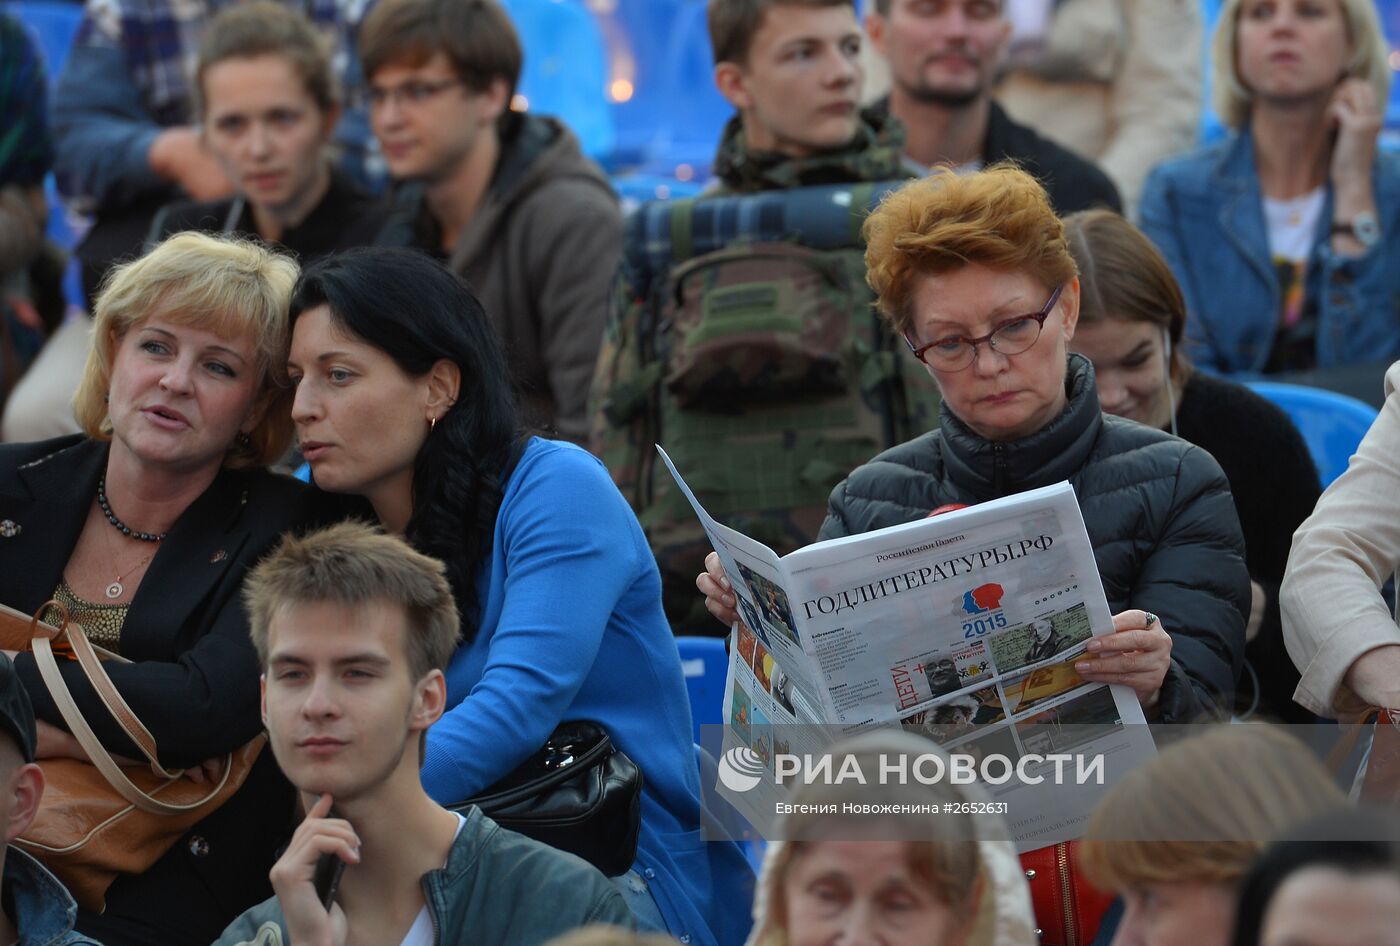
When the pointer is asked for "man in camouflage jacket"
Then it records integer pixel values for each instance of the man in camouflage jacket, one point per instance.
(791, 68)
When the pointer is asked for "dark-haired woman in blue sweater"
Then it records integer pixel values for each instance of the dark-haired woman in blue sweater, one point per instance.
(404, 398)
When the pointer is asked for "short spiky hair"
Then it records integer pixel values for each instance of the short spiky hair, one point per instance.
(999, 217)
(733, 23)
(352, 564)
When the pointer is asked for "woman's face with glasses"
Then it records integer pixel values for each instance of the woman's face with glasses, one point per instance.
(996, 342)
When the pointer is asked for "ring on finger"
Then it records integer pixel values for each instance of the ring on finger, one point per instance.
(1150, 620)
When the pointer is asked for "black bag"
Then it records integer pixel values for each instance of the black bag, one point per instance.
(579, 793)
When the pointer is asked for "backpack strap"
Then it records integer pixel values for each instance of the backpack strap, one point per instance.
(861, 195)
(682, 219)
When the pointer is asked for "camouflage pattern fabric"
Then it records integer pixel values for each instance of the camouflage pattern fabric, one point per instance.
(876, 153)
(742, 338)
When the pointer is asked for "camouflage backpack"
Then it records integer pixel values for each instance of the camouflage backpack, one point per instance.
(743, 339)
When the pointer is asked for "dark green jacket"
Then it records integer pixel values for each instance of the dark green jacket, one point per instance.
(498, 888)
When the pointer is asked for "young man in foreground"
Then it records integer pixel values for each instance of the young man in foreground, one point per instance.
(353, 628)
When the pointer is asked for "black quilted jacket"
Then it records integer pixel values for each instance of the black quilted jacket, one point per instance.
(1158, 511)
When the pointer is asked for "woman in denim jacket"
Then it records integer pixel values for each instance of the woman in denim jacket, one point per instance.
(1282, 236)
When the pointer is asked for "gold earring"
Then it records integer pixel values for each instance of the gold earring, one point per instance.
(432, 424)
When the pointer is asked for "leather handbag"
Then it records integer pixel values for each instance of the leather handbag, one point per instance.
(99, 819)
(16, 633)
(578, 793)
(1068, 910)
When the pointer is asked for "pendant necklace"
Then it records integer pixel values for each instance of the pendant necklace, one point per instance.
(116, 589)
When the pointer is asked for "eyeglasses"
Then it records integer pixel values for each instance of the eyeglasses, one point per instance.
(1011, 337)
(409, 93)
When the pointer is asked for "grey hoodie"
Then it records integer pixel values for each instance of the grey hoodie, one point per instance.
(540, 252)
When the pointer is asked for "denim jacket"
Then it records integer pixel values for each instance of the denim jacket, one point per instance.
(1205, 212)
(498, 888)
(44, 910)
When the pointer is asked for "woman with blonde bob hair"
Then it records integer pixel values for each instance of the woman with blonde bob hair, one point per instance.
(143, 527)
(926, 879)
(1282, 236)
(975, 274)
(231, 287)
(1175, 836)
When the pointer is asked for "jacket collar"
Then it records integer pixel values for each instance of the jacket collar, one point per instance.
(48, 499)
(44, 910)
(51, 497)
(439, 885)
(1002, 134)
(1234, 167)
(1236, 179)
(1003, 139)
(1058, 450)
(876, 153)
(537, 150)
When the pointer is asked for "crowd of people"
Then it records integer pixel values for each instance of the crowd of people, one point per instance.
(322, 235)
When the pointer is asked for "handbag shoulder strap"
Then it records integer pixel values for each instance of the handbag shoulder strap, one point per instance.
(115, 704)
(111, 698)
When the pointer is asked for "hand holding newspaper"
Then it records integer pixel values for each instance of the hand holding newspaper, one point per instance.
(964, 627)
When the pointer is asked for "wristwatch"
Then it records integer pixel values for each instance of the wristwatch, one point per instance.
(1364, 227)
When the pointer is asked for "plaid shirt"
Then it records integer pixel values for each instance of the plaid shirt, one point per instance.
(160, 41)
(26, 150)
(158, 44)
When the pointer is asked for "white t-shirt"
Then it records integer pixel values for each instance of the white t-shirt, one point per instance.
(1030, 20)
(1292, 225)
(421, 932)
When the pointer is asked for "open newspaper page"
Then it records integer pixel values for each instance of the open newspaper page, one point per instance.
(964, 628)
(771, 678)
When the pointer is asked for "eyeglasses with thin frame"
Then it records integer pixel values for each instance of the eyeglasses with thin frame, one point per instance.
(410, 93)
(1011, 337)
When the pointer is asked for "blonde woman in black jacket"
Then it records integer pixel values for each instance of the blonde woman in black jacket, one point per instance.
(144, 527)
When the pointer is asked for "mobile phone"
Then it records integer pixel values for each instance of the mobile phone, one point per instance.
(326, 879)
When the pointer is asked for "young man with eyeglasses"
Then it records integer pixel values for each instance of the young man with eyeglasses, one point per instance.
(353, 629)
(943, 57)
(505, 198)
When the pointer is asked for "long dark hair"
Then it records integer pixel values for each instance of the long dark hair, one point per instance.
(417, 312)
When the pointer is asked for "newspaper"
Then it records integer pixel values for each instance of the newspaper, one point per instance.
(964, 626)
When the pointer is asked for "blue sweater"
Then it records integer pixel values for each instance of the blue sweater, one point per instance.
(571, 627)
